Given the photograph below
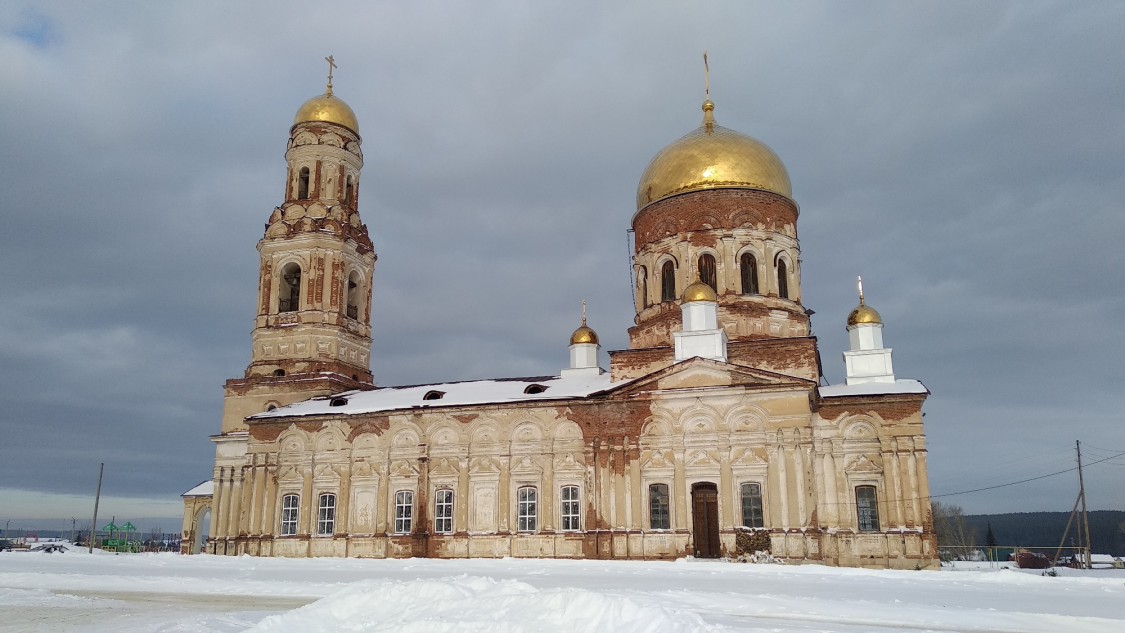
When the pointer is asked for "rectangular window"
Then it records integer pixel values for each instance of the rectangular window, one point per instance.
(326, 515)
(867, 508)
(289, 505)
(752, 506)
(570, 514)
(443, 511)
(404, 511)
(659, 517)
(527, 508)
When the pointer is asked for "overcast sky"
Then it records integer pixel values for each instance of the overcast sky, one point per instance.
(964, 157)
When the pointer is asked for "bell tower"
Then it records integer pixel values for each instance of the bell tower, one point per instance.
(312, 332)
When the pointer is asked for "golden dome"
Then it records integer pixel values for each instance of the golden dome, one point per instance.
(584, 334)
(328, 108)
(864, 314)
(712, 157)
(700, 291)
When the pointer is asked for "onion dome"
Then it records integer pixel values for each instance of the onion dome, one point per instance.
(863, 314)
(712, 157)
(327, 108)
(700, 291)
(584, 334)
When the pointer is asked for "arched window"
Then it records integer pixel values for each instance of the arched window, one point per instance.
(534, 389)
(443, 511)
(353, 295)
(433, 395)
(289, 292)
(569, 511)
(642, 284)
(349, 192)
(326, 515)
(668, 281)
(782, 279)
(748, 266)
(707, 273)
(289, 505)
(527, 508)
(404, 511)
(303, 184)
(752, 506)
(867, 508)
(659, 516)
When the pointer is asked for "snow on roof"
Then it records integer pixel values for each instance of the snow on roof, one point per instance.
(873, 388)
(204, 489)
(448, 394)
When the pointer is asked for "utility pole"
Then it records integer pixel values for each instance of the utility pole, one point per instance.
(1082, 495)
(97, 500)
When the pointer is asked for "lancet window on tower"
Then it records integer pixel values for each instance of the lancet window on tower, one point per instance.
(782, 279)
(353, 295)
(349, 192)
(642, 284)
(707, 272)
(303, 184)
(289, 290)
(748, 266)
(668, 281)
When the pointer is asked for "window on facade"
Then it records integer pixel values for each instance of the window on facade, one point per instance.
(867, 508)
(527, 508)
(326, 515)
(443, 511)
(289, 290)
(642, 284)
(659, 517)
(289, 505)
(349, 192)
(534, 389)
(668, 282)
(707, 272)
(404, 511)
(353, 295)
(782, 279)
(752, 506)
(433, 395)
(303, 184)
(569, 509)
(748, 266)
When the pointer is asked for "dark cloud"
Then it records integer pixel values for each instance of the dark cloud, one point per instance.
(964, 157)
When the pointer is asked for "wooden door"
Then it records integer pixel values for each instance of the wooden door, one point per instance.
(705, 519)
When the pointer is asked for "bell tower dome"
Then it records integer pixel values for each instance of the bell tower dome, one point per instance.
(312, 332)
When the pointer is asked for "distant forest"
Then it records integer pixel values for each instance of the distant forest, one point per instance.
(1045, 529)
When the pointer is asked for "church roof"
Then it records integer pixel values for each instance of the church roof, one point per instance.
(204, 489)
(447, 394)
(873, 389)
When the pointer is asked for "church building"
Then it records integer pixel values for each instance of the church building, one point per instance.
(713, 435)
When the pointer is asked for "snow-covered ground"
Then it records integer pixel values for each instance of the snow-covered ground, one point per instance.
(76, 591)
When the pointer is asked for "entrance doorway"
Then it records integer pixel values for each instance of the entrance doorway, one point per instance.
(705, 519)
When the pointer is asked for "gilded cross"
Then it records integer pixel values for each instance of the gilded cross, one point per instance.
(331, 66)
(859, 285)
(583, 312)
(706, 76)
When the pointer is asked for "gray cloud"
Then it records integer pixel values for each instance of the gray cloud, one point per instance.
(964, 158)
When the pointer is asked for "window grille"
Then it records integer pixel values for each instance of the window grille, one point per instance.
(326, 515)
(527, 509)
(404, 511)
(289, 505)
(443, 511)
(659, 517)
(752, 506)
(867, 508)
(570, 509)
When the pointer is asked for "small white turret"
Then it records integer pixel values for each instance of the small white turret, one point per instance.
(867, 360)
(584, 348)
(701, 335)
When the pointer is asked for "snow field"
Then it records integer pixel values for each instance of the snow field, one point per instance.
(100, 593)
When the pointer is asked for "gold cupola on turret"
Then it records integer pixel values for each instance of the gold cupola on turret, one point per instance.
(863, 314)
(327, 108)
(699, 291)
(712, 157)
